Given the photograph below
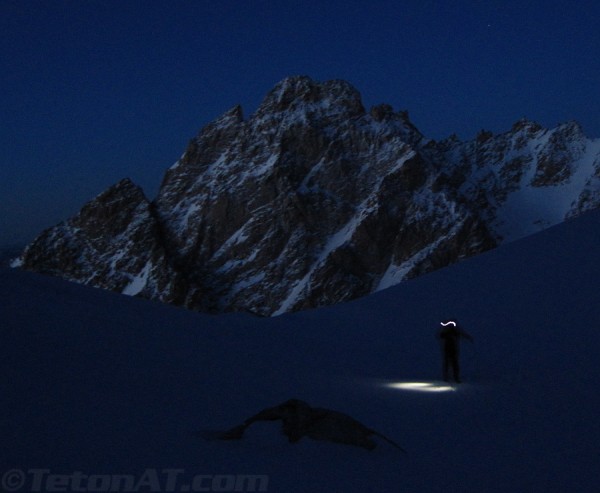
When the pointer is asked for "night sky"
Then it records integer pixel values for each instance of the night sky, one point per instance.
(94, 91)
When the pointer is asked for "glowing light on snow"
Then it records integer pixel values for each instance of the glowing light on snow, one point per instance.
(421, 386)
(446, 324)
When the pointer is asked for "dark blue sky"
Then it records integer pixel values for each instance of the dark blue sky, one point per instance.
(94, 91)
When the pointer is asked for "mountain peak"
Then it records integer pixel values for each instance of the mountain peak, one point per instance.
(527, 125)
(295, 92)
(571, 129)
(232, 116)
(313, 201)
(124, 186)
(118, 203)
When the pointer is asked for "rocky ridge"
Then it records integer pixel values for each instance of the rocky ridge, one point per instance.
(314, 200)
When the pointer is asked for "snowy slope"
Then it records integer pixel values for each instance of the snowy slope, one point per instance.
(104, 384)
(532, 178)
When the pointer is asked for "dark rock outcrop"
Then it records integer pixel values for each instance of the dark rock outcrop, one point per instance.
(113, 243)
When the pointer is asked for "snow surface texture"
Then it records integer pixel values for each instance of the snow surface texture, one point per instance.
(105, 384)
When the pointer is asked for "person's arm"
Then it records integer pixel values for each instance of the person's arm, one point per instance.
(465, 335)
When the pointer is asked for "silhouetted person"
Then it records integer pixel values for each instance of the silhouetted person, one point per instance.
(450, 335)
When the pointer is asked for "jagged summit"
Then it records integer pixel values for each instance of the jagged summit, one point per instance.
(233, 117)
(526, 125)
(303, 93)
(312, 200)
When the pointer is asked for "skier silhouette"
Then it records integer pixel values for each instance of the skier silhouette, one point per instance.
(450, 335)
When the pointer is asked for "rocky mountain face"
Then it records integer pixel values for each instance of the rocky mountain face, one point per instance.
(313, 200)
(114, 242)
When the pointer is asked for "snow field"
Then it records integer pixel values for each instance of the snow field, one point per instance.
(107, 384)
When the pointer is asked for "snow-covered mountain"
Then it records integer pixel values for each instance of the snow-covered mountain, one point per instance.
(104, 392)
(313, 200)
